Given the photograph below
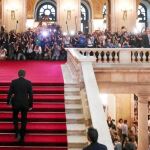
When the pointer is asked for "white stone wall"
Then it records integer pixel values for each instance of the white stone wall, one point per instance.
(112, 106)
(123, 14)
(68, 12)
(13, 12)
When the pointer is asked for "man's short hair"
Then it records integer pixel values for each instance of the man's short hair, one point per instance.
(92, 134)
(21, 73)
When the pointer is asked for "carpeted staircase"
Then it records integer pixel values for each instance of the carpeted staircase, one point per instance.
(46, 128)
(47, 120)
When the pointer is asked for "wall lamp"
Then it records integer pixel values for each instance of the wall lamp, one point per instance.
(12, 9)
(125, 15)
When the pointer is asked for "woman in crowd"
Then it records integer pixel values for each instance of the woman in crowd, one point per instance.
(3, 53)
(37, 52)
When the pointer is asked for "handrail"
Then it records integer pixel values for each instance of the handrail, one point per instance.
(80, 57)
(83, 68)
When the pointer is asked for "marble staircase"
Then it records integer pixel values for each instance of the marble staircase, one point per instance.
(76, 128)
(75, 119)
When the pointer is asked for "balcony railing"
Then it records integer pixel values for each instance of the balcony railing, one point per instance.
(117, 55)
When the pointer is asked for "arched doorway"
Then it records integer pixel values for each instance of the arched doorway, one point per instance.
(85, 17)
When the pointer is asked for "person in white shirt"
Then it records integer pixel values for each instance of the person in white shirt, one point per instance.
(38, 52)
(90, 43)
(3, 53)
(30, 50)
(134, 128)
(119, 127)
(124, 131)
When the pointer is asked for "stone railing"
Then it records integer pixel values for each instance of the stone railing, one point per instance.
(74, 59)
(117, 55)
(82, 70)
(140, 55)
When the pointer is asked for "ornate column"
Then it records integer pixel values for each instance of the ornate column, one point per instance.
(143, 122)
(0, 11)
(123, 13)
(68, 14)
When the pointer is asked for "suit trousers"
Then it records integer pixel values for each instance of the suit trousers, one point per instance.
(23, 120)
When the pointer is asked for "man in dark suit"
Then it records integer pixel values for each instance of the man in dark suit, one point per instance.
(21, 98)
(146, 42)
(92, 137)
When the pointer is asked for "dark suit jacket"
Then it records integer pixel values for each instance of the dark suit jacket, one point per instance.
(20, 92)
(95, 146)
(145, 41)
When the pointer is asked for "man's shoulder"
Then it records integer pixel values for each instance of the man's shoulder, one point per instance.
(105, 147)
(28, 81)
(21, 80)
(102, 146)
(14, 80)
(95, 146)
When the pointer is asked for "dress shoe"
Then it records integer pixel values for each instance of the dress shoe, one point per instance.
(21, 140)
(17, 134)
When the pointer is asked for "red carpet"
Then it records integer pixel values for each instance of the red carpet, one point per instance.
(39, 72)
(46, 128)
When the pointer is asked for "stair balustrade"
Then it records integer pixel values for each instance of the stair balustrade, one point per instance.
(82, 70)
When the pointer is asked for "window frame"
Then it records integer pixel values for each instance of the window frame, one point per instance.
(86, 13)
(139, 15)
(40, 5)
(104, 11)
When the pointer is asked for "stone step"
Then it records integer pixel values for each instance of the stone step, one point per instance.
(75, 141)
(74, 118)
(72, 99)
(76, 129)
(68, 77)
(72, 91)
(72, 85)
(73, 108)
(74, 148)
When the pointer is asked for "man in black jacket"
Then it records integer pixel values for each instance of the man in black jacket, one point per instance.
(21, 98)
(92, 137)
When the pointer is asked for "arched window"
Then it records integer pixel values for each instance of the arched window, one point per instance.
(46, 11)
(142, 14)
(84, 13)
(84, 18)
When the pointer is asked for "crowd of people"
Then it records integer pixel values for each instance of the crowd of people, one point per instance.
(123, 137)
(49, 43)
(40, 44)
